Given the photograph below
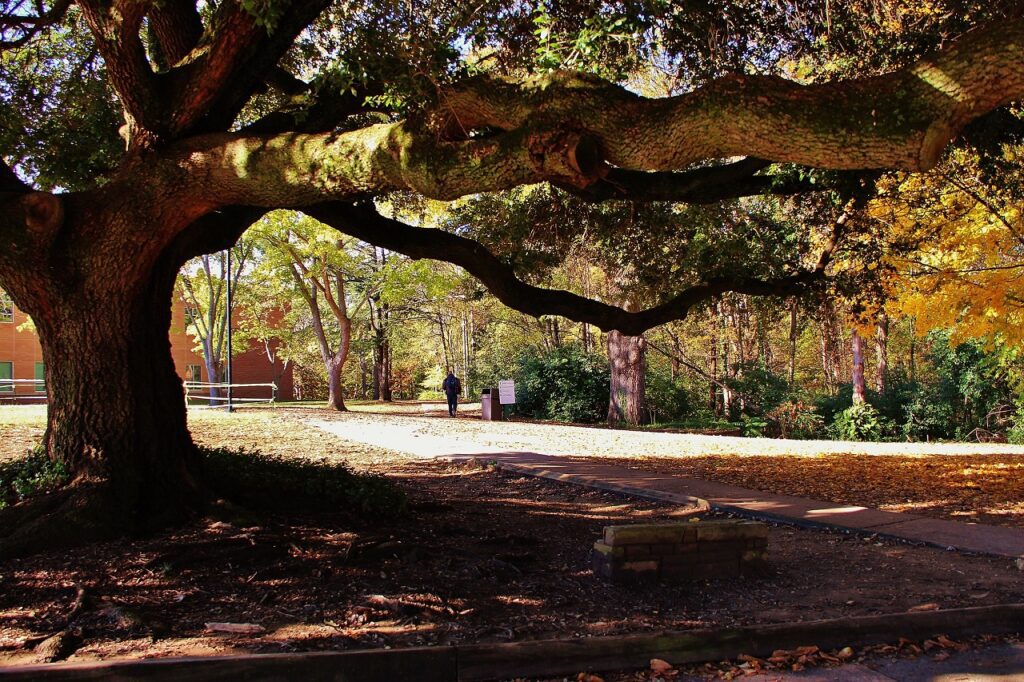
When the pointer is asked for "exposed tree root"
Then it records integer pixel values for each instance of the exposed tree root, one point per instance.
(72, 516)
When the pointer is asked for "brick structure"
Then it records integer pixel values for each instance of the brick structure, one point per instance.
(678, 552)
(22, 357)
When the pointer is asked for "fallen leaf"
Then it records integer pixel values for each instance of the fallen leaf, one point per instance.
(660, 666)
(930, 606)
(845, 653)
(947, 643)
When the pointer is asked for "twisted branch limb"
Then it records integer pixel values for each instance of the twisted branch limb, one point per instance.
(365, 223)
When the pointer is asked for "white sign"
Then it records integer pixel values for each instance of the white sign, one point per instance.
(507, 392)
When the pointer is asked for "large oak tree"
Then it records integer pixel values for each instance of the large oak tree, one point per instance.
(235, 107)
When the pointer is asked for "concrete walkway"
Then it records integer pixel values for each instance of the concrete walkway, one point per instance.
(976, 538)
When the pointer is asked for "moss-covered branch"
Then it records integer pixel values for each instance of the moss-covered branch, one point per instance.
(584, 133)
(900, 120)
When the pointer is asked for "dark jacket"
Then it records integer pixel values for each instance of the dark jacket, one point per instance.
(451, 385)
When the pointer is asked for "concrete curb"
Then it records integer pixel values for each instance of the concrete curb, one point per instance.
(483, 662)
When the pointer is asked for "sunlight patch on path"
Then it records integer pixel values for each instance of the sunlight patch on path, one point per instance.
(404, 437)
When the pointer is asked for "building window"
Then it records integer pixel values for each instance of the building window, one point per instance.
(191, 315)
(6, 307)
(194, 373)
(6, 377)
(40, 377)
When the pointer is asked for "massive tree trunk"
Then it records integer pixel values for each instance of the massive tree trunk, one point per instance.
(627, 357)
(116, 414)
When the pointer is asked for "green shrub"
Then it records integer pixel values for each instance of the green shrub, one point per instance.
(565, 384)
(861, 422)
(760, 388)
(796, 419)
(258, 481)
(753, 427)
(1015, 434)
(929, 415)
(32, 475)
(668, 400)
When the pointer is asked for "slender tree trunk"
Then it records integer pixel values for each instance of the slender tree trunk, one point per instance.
(882, 347)
(213, 377)
(793, 334)
(830, 361)
(713, 388)
(726, 371)
(627, 360)
(381, 365)
(363, 382)
(335, 364)
(913, 358)
(335, 397)
(859, 392)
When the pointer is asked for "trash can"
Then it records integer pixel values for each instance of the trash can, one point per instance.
(490, 405)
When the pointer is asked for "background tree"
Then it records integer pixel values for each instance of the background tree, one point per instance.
(202, 285)
(319, 264)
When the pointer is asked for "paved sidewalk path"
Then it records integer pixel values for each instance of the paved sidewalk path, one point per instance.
(594, 473)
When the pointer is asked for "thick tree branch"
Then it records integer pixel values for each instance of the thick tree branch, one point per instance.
(295, 170)
(115, 28)
(899, 120)
(363, 222)
(232, 63)
(178, 28)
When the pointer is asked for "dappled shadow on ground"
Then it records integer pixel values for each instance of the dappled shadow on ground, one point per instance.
(483, 556)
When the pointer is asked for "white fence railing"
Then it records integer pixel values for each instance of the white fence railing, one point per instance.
(216, 394)
(9, 389)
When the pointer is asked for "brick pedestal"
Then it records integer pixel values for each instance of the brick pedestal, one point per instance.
(678, 552)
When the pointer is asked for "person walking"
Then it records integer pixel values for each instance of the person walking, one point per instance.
(452, 387)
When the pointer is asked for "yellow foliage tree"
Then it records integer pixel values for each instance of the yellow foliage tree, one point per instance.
(955, 253)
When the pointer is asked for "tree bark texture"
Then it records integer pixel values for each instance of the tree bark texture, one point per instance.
(627, 360)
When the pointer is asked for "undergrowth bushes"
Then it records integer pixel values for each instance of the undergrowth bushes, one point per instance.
(565, 384)
(32, 475)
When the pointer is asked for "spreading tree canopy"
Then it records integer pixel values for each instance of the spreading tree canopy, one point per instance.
(138, 134)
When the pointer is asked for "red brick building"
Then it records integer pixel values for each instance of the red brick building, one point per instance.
(21, 359)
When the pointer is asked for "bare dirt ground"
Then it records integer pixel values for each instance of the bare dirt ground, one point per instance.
(482, 557)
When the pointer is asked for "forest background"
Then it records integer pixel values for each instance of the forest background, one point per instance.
(921, 311)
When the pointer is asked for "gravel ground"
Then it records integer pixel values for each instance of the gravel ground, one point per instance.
(977, 483)
(560, 439)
